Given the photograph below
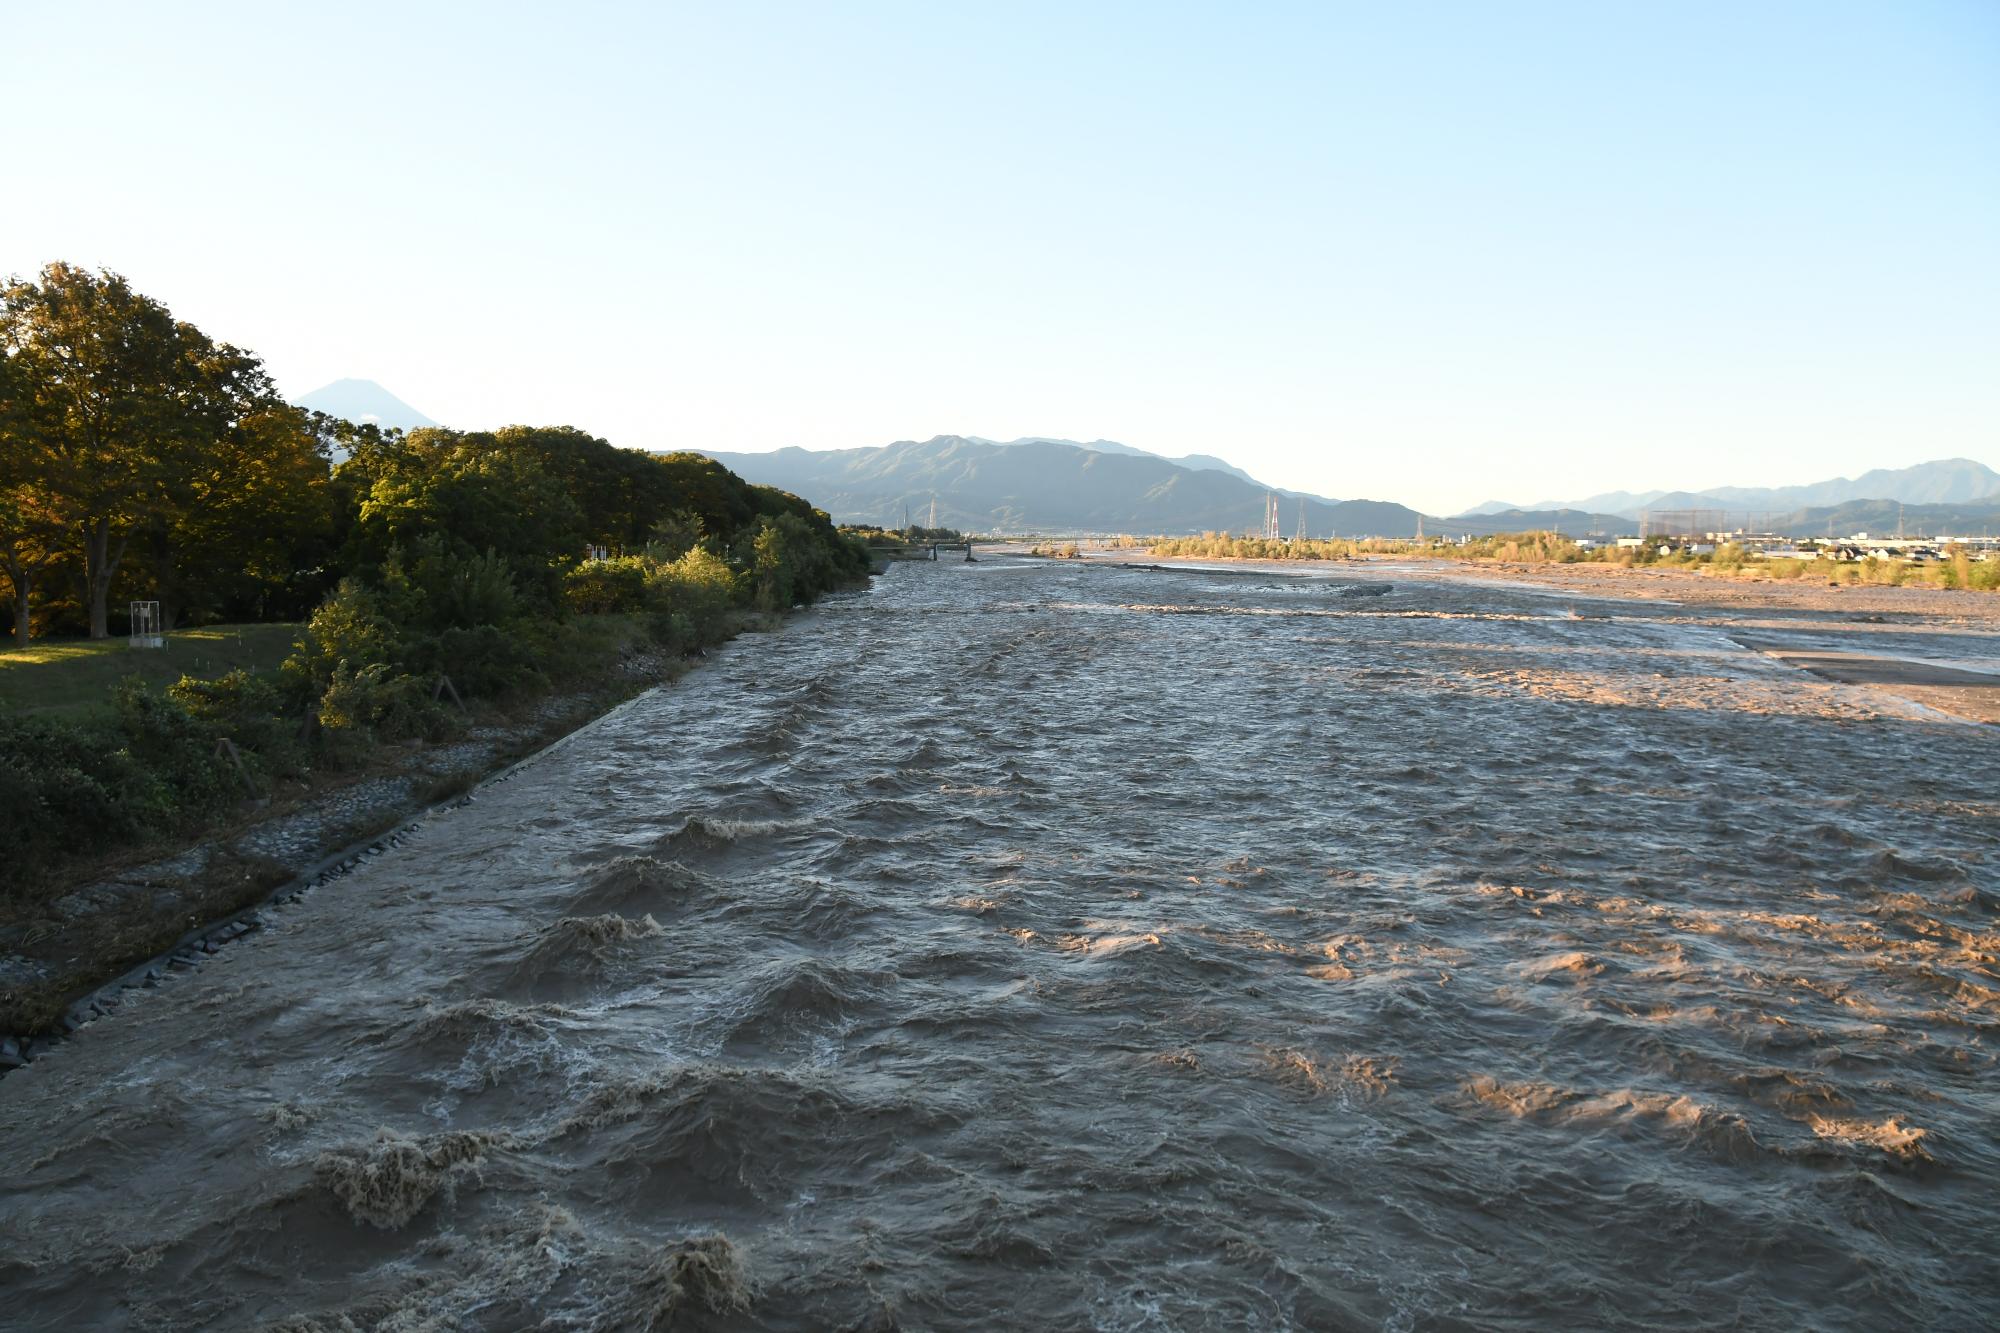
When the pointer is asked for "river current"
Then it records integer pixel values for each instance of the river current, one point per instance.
(1017, 944)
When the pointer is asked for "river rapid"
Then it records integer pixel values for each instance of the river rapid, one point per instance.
(1018, 944)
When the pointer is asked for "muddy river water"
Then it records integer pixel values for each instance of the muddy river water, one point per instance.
(1038, 945)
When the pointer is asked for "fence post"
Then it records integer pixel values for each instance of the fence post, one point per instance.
(226, 749)
(445, 686)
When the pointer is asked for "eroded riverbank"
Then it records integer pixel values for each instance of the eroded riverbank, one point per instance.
(1075, 946)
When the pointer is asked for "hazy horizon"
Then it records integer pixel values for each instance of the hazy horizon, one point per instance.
(1441, 258)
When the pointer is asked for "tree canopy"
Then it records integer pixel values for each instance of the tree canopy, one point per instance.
(123, 424)
(141, 458)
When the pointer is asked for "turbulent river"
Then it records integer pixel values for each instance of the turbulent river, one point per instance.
(1051, 946)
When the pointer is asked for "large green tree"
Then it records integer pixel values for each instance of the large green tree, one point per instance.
(117, 402)
(241, 517)
(31, 544)
(30, 535)
(473, 496)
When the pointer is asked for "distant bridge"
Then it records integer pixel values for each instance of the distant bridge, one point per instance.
(920, 550)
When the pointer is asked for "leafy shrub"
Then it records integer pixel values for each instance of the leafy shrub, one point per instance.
(250, 711)
(238, 698)
(1962, 571)
(379, 700)
(62, 789)
(352, 627)
(699, 587)
(792, 560)
(459, 591)
(602, 587)
(178, 774)
(483, 660)
(676, 533)
(69, 789)
(672, 631)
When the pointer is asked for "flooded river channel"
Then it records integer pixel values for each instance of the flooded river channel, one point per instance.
(1057, 945)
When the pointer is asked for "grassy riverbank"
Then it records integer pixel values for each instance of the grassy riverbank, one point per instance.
(75, 677)
(140, 789)
(135, 807)
(100, 914)
(465, 595)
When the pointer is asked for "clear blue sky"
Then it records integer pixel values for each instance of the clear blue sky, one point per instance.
(1437, 253)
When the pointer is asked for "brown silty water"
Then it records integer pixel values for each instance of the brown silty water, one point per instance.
(1035, 946)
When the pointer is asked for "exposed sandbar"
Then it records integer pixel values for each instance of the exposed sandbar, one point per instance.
(1877, 637)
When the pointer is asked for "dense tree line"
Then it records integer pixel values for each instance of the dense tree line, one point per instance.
(909, 536)
(135, 451)
(140, 459)
(1542, 546)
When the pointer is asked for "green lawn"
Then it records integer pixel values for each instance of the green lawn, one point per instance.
(76, 675)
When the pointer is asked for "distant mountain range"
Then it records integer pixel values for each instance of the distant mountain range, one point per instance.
(1043, 485)
(365, 403)
(1882, 518)
(1572, 522)
(1948, 481)
(1192, 462)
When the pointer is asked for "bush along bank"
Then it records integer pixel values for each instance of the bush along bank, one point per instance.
(473, 591)
(1959, 571)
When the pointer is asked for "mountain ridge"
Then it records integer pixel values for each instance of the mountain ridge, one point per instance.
(1041, 485)
(1193, 462)
(1046, 485)
(1939, 481)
